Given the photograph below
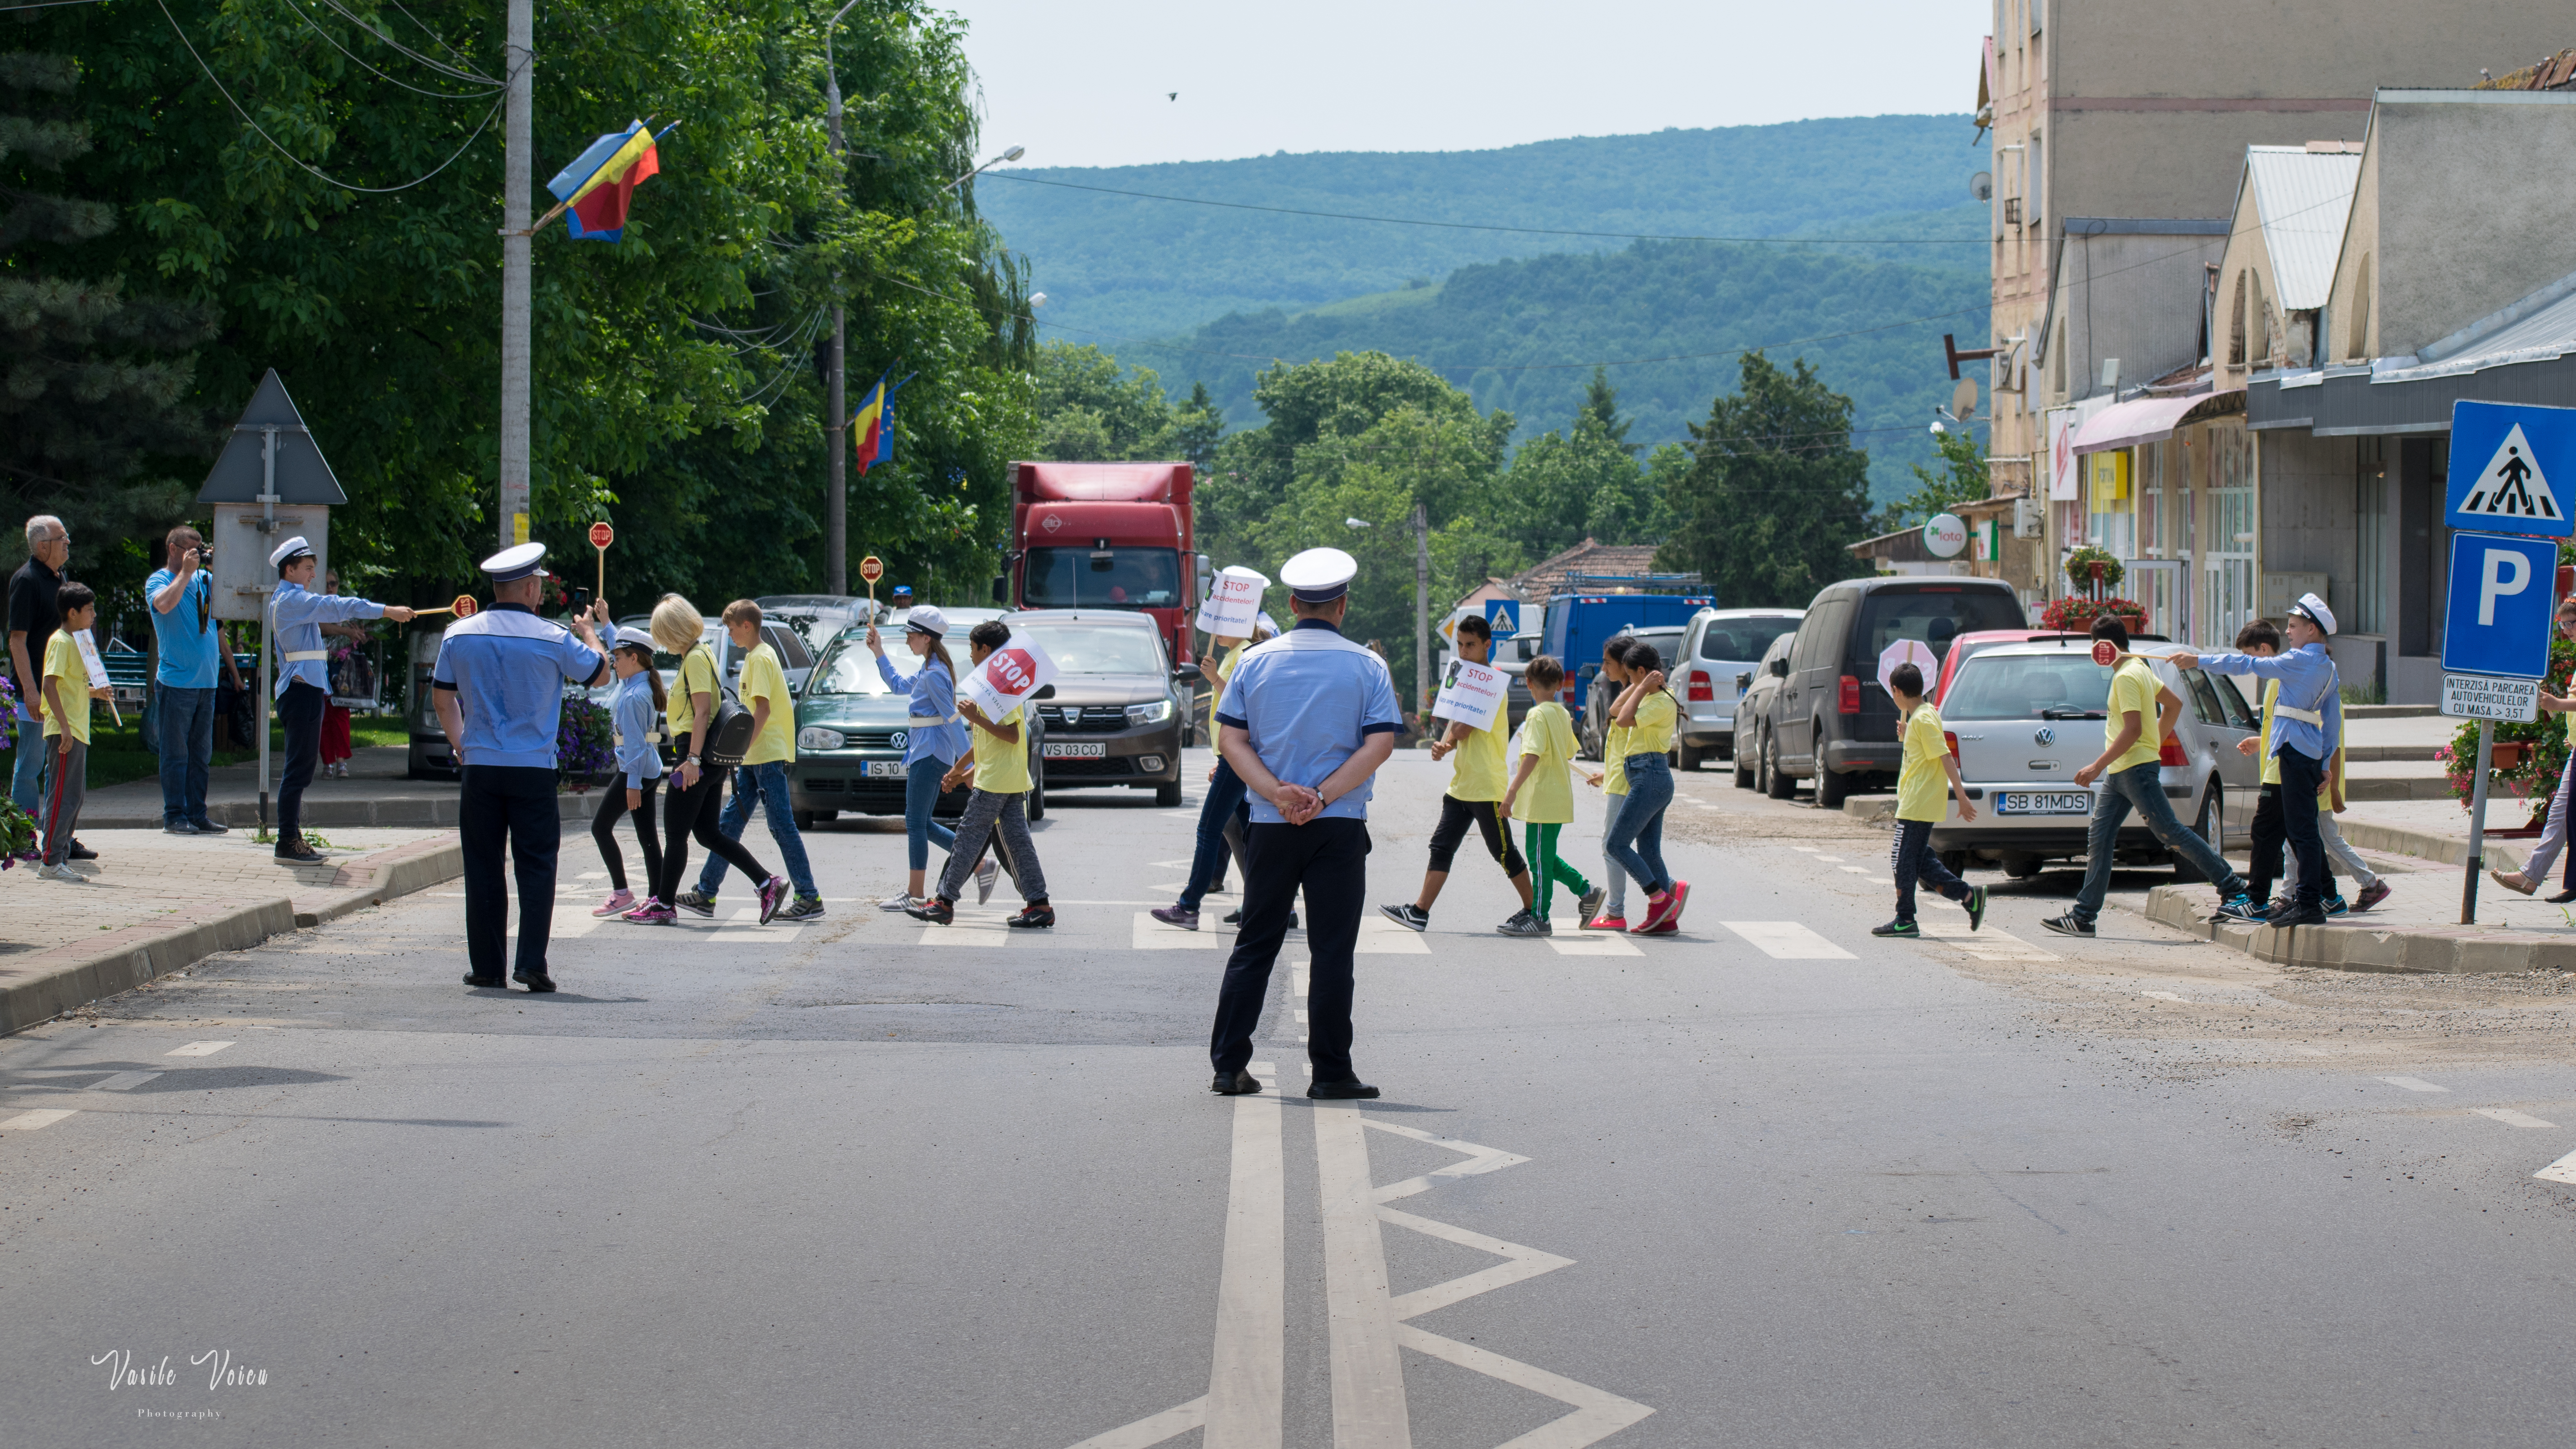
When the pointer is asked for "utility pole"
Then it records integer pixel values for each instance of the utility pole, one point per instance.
(1421, 609)
(836, 501)
(518, 126)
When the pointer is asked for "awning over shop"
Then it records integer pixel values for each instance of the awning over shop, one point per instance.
(2151, 419)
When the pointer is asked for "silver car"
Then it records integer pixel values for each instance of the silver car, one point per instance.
(2023, 718)
(1718, 647)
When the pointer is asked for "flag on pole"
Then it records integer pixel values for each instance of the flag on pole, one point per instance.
(597, 186)
(873, 424)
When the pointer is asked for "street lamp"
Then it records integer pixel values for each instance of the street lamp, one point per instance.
(1356, 523)
(1013, 154)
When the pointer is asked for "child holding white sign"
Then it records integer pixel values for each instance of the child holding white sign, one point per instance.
(999, 768)
(68, 692)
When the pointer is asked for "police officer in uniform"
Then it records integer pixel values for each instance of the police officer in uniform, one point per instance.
(304, 678)
(1306, 720)
(499, 689)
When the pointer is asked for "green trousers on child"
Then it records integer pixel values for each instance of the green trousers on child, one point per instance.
(1547, 868)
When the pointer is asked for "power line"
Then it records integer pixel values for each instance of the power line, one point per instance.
(310, 24)
(1481, 226)
(430, 61)
(298, 160)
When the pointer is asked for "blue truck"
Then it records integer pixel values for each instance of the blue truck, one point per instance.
(1579, 622)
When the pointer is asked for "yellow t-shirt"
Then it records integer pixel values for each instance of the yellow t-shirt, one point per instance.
(1652, 734)
(1614, 759)
(680, 712)
(763, 679)
(63, 662)
(1001, 766)
(1225, 666)
(1547, 797)
(2134, 686)
(1923, 789)
(1480, 767)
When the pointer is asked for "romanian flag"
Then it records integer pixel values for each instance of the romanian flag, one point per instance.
(598, 184)
(873, 424)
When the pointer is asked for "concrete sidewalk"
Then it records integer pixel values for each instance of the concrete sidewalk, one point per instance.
(377, 793)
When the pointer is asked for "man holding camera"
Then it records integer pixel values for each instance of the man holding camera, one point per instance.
(191, 640)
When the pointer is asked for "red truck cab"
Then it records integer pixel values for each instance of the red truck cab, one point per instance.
(1104, 535)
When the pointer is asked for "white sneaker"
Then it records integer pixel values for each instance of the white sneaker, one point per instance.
(61, 873)
(899, 901)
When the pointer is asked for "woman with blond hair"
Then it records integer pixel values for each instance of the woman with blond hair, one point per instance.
(690, 809)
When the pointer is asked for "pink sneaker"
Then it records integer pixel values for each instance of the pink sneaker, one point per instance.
(1662, 912)
(1606, 923)
(651, 913)
(617, 904)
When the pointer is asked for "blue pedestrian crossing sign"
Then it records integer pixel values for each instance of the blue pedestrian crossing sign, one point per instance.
(2509, 465)
(2497, 624)
(1503, 616)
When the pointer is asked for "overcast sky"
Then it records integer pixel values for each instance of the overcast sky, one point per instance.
(1088, 82)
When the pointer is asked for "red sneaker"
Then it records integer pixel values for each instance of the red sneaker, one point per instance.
(1606, 923)
(1658, 910)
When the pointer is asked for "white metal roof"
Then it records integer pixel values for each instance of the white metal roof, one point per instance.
(2541, 334)
(2303, 198)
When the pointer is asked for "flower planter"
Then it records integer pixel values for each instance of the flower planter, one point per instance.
(2507, 754)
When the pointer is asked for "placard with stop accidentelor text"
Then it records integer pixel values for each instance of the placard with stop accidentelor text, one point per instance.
(1471, 693)
(1233, 602)
(1007, 677)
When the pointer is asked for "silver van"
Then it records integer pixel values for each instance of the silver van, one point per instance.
(1718, 647)
(2023, 718)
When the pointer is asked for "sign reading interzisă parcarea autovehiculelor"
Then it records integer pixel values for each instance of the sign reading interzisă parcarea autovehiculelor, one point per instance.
(2475, 696)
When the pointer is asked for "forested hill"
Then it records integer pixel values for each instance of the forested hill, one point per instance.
(1141, 268)
(1507, 332)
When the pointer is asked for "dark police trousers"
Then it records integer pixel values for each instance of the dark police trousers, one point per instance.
(2300, 777)
(299, 711)
(515, 803)
(1329, 858)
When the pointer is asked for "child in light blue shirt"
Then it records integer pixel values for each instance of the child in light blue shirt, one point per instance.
(637, 714)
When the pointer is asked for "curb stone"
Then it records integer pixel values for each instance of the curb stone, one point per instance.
(2359, 947)
(42, 985)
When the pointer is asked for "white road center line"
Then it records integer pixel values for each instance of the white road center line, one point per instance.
(1153, 935)
(125, 1081)
(2167, 996)
(1804, 849)
(2563, 1170)
(1991, 944)
(1856, 870)
(1788, 941)
(1382, 937)
(2511, 1118)
(1834, 858)
(1144, 1433)
(2413, 1084)
(1247, 1381)
(30, 1121)
(1368, 1368)
(199, 1049)
(988, 934)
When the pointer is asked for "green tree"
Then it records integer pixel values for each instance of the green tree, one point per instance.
(1584, 482)
(1198, 425)
(94, 395)
(1962, 479)
(1090, 411)
(1365, 436)
(1776, 492)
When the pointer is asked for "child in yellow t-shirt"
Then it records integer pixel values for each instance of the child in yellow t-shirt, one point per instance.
(1923, 792)
(1541, 797)
(999, 767)
(67, 696)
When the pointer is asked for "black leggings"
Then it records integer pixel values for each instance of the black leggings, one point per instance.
(1487, 816)
(692, 813)
(603, 828)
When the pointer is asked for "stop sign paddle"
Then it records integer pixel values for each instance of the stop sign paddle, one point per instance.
(872, 568)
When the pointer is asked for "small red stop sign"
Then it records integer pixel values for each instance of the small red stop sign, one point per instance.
(872, 568)
(601, 535)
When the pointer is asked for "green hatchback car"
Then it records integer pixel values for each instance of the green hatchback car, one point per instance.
(851, 735)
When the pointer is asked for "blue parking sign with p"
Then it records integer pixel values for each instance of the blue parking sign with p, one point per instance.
(1503, 616)
(2500, 605)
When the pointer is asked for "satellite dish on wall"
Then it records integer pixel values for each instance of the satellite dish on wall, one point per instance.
(1982, 186)
(1963, 399)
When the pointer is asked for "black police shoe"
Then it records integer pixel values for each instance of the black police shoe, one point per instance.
(1339, 1091)
(484, 983)
(540, 983)
(1239, 1084)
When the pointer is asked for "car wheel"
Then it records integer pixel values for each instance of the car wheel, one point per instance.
(1168, 794)
(1955, 862)
(804, 820)
(1743, 769)
(2020, 867)
(1832, 786)
(1686, 757)
(2206, 826)
(1775, 781)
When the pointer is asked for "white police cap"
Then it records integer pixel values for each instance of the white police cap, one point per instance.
(630, 637)
(527, 560)
(1319, 575)
(2314, 610)
(293, 548)
(926, 619)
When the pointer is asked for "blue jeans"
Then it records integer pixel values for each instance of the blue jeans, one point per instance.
(920, 797)
(1224, 794)
(28, 770)
(2138, 788)
(1636, 842)
(185, 728)
(766, 783)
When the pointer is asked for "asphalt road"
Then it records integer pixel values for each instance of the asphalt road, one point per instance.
(864, 1182)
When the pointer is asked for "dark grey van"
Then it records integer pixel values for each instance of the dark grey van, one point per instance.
(1831, 721)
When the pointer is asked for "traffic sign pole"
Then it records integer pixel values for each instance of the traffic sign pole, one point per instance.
(601, 536)
(2477, 825)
